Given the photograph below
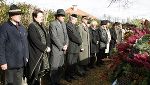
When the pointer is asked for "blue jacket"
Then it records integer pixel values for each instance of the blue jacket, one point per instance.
(13, 45)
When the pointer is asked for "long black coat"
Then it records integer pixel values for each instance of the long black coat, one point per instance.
(36, 47)
(113, 38)
(103, 38)
(74, 38)
(94, 39)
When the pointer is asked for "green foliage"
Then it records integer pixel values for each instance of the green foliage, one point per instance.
(3, 11)
(136, 22)
(26, 17)
(50, 17)
(143, 44)
(27, 9)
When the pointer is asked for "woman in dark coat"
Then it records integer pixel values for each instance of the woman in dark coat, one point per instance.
(94, 41)
(39, 49)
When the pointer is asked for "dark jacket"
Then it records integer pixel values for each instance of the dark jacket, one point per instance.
(36, 47)
(94, 40)
(113, 38)
(13, 45)
(103, 39)
(74, 38)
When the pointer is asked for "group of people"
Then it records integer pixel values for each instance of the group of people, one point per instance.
(63, 50)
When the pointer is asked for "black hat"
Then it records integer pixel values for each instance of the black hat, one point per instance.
(85, 17)
(60, 12)
(104, 22)
(74, 15)
(14, 10)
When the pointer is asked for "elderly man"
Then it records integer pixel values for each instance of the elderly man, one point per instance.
(13, 47)
(59, 46)
(73, 48)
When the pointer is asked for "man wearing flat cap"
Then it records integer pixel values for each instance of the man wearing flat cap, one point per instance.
(103, 41)
(13, 47)
(85, 46)
(73, 48)
(59, 38)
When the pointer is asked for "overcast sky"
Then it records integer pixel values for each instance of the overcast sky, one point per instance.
(137, 8)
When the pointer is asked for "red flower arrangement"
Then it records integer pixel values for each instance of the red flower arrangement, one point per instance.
(128, 56)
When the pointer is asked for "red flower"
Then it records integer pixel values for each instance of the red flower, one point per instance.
(137, 34)
(143, 56)
(122, 47)
(132, 39)
(146, 65)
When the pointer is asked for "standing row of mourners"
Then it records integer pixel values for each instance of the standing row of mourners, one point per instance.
(64, 50)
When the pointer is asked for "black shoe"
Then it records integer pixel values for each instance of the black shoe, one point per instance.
(58, 84)
(81, 74)
(86, 69)
(92, 67)
(68, 80)
(74, 77)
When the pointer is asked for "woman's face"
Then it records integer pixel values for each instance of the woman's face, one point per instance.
(39, 18)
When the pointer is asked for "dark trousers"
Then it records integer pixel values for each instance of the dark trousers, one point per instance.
(56, 75)
(14, 76)
(93, 58)
(101, 55)
(71, 67)
(45, 79)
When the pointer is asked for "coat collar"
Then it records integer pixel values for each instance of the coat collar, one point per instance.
(58, 23)
(85, 27)
(39, 26)
(9, 21)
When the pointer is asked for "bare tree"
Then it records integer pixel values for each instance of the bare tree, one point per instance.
(122, 3)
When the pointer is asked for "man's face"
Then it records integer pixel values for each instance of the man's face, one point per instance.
(74, 20)
(39, 18)
(61, 18)
(85, 20)
(16, 18)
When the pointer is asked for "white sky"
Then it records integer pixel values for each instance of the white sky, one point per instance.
(137, 8)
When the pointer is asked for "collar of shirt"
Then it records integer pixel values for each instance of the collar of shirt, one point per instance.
(12, 23)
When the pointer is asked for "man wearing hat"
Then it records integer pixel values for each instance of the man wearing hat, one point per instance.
(60, 41)
(73, 48)
(85, 46)
(103, 41)
(13, 47)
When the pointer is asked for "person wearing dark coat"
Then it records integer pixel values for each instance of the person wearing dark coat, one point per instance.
(103, 40)
(73, 48)
(94, 41)
(39, 46)
(113, 38)
(13, 47)
(60, 43)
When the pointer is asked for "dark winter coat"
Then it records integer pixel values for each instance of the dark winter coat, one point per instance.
(13, 45)
(74, 38)
(36, 47)
(94, 40)
(113, 38)
(103, 39)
